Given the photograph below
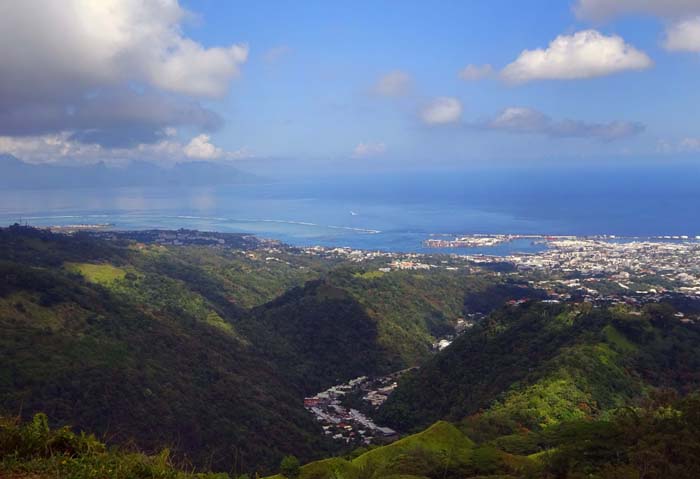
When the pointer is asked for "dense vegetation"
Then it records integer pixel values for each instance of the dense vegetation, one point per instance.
(536, 365)
(145, 360)
(34, 450)
(656, 439)
(206, 351)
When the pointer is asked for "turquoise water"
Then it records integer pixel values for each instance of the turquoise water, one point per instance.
(388, 212)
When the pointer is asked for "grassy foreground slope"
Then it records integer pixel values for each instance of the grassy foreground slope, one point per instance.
(435, 452)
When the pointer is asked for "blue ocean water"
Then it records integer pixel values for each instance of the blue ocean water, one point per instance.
(393, 212)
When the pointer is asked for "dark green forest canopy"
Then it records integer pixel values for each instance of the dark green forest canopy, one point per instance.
(210, 351)
(536, 365)
(206, 350)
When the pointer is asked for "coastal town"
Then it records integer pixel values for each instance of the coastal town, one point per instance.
(595, 268)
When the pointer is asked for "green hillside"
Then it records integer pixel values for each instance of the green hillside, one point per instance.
(206, 351)
(657, 439)
(440, 449)
(209, 352)
(538, 365)
(155, 375)
(318, 334)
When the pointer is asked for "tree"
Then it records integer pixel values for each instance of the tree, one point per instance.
(289, 467)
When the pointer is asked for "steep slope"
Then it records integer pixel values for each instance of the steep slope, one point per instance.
(206, 350)
(317, 334)
(161, 367)
(538, 365)
(411, 309)
(354, 322)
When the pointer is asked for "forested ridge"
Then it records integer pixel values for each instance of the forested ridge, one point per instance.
(200, 358)
(206, 351)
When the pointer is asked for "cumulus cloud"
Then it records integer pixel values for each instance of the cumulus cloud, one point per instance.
(395, 83)
(63, 148)
(585, 54)
(86, 44)
(194, 70)
(115, 72)
(367, 150)
(528, 120)
(476, 72)
(201, 148)
(48, 148)
(442, 110)
(605, 9)
(684, 35)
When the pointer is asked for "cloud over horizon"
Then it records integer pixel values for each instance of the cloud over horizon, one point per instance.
(530, 121)
(60, 148)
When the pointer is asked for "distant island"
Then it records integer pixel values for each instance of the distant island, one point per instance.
(16, 174)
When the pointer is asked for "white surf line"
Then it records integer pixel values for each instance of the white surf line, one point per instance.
(361, 230)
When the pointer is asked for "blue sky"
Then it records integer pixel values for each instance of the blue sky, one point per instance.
(315, 99)
(366, 83)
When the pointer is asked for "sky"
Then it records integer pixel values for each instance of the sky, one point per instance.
(282, 85)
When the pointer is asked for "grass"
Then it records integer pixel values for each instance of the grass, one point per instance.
(442, 437)
(104, 274)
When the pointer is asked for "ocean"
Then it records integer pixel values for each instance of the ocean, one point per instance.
(393, 212)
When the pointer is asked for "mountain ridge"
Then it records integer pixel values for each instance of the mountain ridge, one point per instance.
(16, 174)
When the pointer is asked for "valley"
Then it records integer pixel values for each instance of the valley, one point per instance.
(234, 352)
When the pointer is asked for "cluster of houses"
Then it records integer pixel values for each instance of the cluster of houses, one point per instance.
(347, 424)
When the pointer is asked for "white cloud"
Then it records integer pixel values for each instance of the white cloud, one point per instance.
(442, 110)
(528, 120)
(605, 9)
(86, 44)
(194, 70)
(684, 35)
(366, 150)
(476, 72)
(48, 148)
(113, 72)
(62, 148)
(395, 83)
(585, 54)
(201, 148)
